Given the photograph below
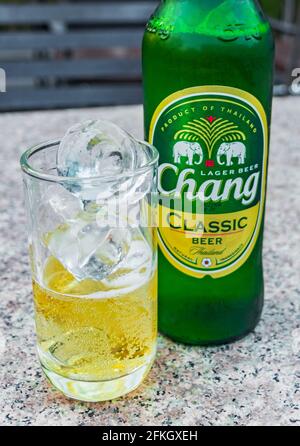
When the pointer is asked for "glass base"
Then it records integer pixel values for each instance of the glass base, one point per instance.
(98, 390)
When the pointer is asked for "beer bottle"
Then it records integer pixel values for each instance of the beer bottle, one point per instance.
(208, 77)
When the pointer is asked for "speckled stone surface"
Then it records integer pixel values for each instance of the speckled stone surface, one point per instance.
(255, 381)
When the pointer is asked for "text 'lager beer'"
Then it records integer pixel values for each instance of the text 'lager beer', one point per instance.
(208, 76)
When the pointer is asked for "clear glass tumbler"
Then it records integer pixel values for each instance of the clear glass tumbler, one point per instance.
(94, 269)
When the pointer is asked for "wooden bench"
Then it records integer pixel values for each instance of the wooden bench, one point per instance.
(72, 54)
(85, 53)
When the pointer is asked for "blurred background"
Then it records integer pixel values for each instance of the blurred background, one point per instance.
(59, 54)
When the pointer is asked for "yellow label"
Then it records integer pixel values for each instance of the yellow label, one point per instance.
(213, 144)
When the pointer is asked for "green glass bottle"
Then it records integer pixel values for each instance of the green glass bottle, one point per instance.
(208, 78)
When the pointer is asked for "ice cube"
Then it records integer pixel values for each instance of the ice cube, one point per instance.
(109, 254)
(57, 206)
(138, 256)
(87, 250)
(135, 269)
(96, 149)
(62, 202)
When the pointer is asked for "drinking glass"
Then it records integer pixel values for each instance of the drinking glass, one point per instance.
(93, 256)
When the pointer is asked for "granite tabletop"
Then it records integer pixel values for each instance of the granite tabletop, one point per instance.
(255, 381)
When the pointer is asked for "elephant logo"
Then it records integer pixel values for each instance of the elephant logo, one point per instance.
(231, 150)
(189, 150)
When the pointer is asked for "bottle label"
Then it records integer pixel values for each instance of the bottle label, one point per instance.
(213, 144)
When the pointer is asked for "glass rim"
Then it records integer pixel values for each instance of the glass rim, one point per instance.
(28, 169)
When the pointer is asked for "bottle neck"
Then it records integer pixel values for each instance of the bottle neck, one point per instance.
(206, 6)
(208, 3)
(225, 19)
(213, 3)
